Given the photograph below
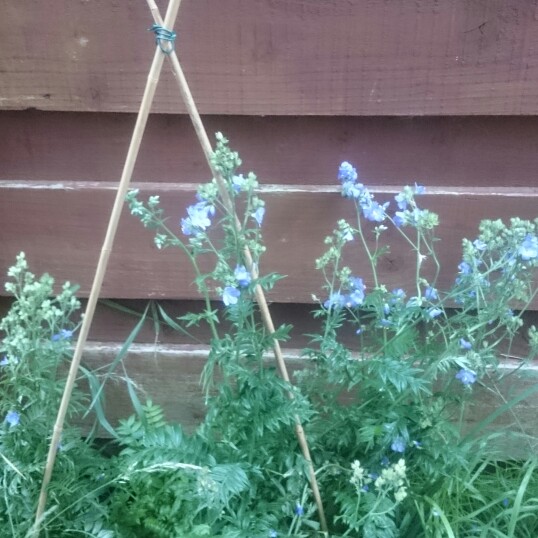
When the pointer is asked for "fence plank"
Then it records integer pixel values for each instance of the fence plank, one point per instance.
(290, 150)
(277, 57)
(61, 225)
(115, 320)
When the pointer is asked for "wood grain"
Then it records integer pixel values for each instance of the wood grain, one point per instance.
(278, 57)
(462, 151)
(61, 225)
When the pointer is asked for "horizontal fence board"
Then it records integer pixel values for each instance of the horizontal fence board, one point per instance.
(61, 227)
(461, 151)
(115, 320)
(170, 376)
(271, 57)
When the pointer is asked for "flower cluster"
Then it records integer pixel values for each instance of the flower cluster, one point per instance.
(231, 294)
(360, 477)
(64, 334)
(198, 219)
(408, 214)
(371, 210)
(353, 299)
(393, 479)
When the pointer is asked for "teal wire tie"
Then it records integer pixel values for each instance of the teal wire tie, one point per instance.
(163, 35)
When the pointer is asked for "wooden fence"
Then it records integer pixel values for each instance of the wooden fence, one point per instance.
(442, 93)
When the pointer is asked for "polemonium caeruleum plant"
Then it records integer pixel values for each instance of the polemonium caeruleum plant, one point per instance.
(383, 408)
(250, 417)
(400, 387)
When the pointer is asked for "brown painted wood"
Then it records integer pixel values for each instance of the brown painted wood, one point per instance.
(458, 151)
(112, 323)
(170, 376)
(61, 225)
(271, 57)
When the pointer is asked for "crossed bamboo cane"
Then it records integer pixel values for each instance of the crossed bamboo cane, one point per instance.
(161, 51)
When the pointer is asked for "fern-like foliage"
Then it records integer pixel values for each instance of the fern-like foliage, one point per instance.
(159, 461)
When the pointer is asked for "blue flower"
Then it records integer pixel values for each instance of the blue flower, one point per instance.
(355, 298)
(431, 294)
(479, 244)
(357, 283)
(4, 361)
(401, 200)
(465, 344)
(415, 216)
(464, 268)
(198, 218)
(386, 309)
(365, 488)
(230, 295)
(398, 445)
(347, 235)
(505, 502)
(385, 461)
(273, 534)
(199, 214)
(336, 300)
(419, 189)
(385, 323)
(298, 510)
(12, 418)
(258, 215)
(373, 211)
(187, 227)
(242, 276)
(352, 190)
(467, 377)
(64, 334)
(347, 172)
(397, 294)
(399, 219)
(237, 183)
(529, 248)
(434, 312)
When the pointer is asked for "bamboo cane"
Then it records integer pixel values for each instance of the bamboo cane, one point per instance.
(136, 139)
(259, 293)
